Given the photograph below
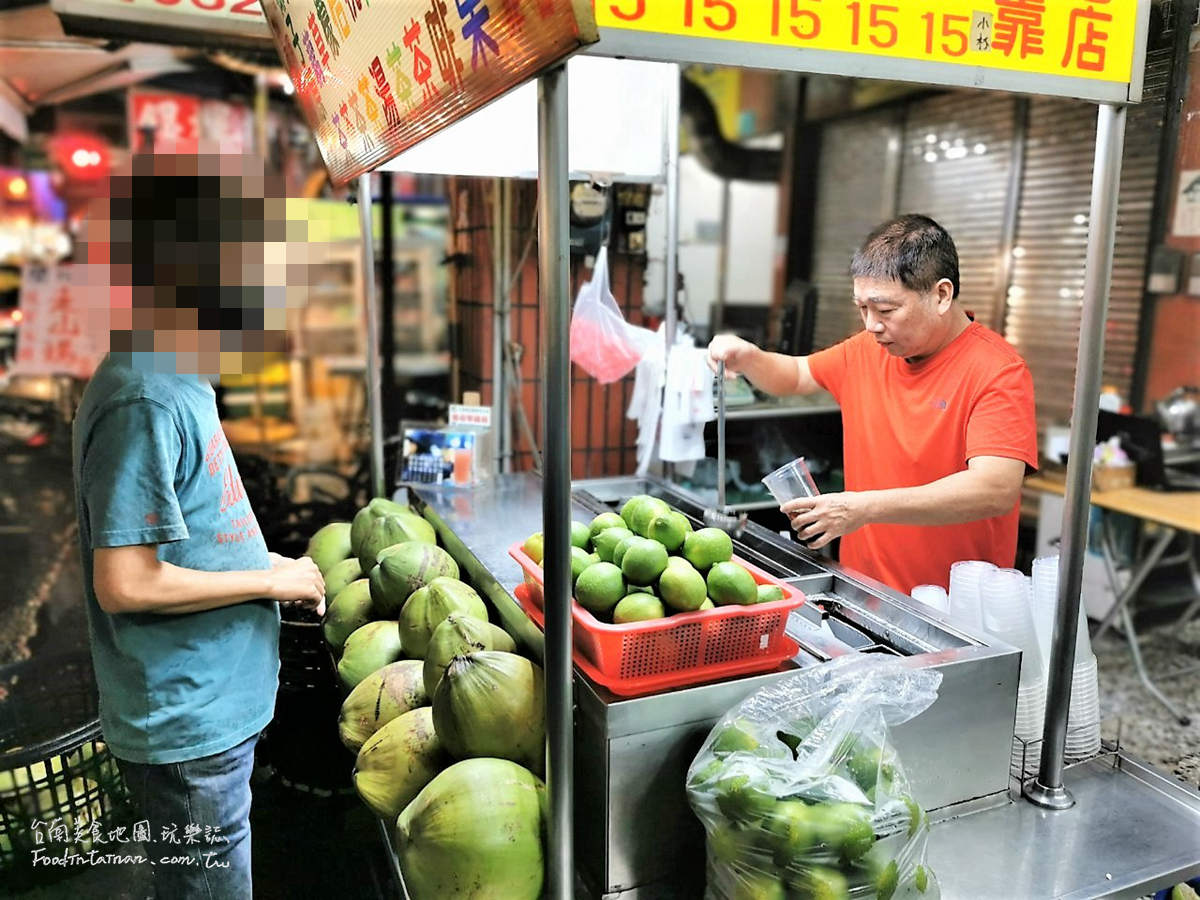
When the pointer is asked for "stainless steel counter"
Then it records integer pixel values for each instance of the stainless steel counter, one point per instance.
(635, 835)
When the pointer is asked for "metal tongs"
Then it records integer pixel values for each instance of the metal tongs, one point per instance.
(721, 517)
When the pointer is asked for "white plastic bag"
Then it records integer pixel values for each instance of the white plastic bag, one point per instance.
(803, 796)
(603, 344)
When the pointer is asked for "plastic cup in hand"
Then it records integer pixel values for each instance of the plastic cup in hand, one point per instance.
(791, 481)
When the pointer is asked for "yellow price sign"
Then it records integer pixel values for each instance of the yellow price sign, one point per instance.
(1073, 39)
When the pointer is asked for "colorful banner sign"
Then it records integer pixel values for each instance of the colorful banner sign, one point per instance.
(64, 329)
(1090, 40)
(374, 77)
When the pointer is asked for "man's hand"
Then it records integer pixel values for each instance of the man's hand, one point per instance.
(298, 581)
(774, 373)
(278, 558)
(734, 351)
(818, 520)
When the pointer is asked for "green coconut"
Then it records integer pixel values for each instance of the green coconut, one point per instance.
(380, 697)
(428, 608)
(397, 761)
(403, 569)
(397, 528)
(457, 635)
(491, 703)
(475, 831)
(367, 650)
(329, 545)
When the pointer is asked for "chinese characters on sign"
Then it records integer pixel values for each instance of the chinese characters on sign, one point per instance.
(1089, 39)
(470, 415)
(374, 77)
(62, 324)
(180, 122)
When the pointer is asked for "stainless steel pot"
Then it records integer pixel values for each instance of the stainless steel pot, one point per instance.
(1179, 411)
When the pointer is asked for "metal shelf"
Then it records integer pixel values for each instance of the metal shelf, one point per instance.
(791, 406)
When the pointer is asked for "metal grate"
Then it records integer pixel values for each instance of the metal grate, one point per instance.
(1049, 255)
(856, 192)
(955, 168)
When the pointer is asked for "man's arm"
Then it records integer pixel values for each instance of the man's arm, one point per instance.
(133, 580)
(990, 486)
(775, 373)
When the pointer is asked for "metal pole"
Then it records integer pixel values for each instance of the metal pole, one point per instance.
(671, 113)
(1047, 789)
(554, 295)
(498, 285)
(387, 306)
(371, 313)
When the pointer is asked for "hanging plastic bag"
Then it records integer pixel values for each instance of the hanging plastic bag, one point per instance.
(603, 344)
(801, 792)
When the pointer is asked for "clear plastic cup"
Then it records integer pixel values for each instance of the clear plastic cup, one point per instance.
(791, 481)
(932, 595)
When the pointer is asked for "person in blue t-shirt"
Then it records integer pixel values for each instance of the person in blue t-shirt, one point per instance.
(182, 594)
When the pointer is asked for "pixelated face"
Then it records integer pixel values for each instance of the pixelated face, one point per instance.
(194, 251)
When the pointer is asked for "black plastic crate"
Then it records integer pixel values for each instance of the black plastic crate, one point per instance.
(61, 792)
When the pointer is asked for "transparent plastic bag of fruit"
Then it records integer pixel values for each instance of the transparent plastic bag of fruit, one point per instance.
(603, 344)
(802, 794)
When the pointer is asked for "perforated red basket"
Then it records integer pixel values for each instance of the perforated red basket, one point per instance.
(683, 649)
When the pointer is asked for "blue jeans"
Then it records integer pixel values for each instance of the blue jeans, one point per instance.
(198, 816)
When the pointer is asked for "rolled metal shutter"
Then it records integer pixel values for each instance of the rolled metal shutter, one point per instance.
(955, 168)
(856, 191)
(1049, 254)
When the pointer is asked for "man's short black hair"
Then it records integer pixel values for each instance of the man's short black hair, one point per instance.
(911, 249)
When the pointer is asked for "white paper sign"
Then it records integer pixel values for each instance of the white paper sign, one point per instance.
(63, 325)
(1187, 204)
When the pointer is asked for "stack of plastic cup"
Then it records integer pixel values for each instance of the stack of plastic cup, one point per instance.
(1045, 601)
(1083, 722)
(1007, 616)
(932, 595)
(965, 576)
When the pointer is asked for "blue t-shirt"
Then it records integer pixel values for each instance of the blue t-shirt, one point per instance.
(152, 466)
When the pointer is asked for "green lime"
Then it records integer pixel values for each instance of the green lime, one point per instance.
(638, 608)
(728, 584)
(682, 587)
(668, 530)
(921, 879)
(826, 884)
(606, 541)
(600, 587)
(735, 735)
(707, 546)
(742, 801)
(626, 543)
(644, 561)
(769, 593)
(580, 535)
(845, 827)
(645, 512)
(790, 827)
(580, 560)
(535, 546)
(707, 604)
(886, 880)
(605, 520)
(630, 506)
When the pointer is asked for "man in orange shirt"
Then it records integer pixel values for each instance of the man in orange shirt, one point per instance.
(937, 414)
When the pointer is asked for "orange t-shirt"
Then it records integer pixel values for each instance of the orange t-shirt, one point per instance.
(907, 424)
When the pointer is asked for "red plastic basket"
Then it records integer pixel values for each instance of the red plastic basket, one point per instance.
(683, 649)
